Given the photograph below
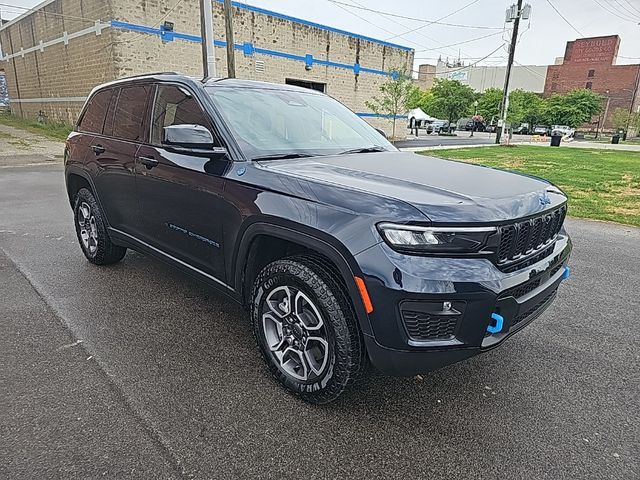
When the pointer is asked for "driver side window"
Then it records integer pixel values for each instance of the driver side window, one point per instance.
(174, 106)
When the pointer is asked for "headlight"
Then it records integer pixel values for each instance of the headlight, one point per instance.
(435, 239)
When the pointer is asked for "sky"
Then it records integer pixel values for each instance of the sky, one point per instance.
(542, 38)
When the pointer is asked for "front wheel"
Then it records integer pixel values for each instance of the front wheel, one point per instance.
(305, 329)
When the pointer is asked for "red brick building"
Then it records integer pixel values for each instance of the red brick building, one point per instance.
(591, 63)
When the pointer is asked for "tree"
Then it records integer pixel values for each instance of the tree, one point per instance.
(621, 118)
(395, 94)
(524, 107)
(574, 109)
(451, 99)
(489, 103)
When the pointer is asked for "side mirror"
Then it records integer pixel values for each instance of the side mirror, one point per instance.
(187, 136)
(381, 132)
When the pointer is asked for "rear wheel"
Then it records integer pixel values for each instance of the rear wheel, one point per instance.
(306, 330)
(91, 230)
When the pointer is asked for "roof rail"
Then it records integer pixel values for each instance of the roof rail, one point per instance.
(149, 74)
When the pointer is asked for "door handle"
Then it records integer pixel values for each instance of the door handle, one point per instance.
(149, 162)
(97, 149)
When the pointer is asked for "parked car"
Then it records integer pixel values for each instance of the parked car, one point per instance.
(343, 249)
(541, 130)
(462, 123)
(564, 130)
(475, 126)
(438, 126)
(491, 128)
(522, 129)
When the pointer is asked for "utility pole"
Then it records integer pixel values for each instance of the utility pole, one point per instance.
(228, 25)
(206, 32)
(514, 13)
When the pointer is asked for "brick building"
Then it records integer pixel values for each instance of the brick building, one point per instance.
(57, 52)
(591, 63)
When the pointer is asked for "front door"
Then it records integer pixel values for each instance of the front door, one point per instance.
(181, 194)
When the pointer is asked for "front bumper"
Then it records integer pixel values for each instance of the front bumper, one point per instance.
(432, 312)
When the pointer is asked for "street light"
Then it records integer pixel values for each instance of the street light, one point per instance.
(475, 104)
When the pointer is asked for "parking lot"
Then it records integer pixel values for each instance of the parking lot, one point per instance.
(139, 371)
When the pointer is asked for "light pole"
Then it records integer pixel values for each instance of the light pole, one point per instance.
(475, 104)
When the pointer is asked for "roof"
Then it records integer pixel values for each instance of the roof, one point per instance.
(211, 83)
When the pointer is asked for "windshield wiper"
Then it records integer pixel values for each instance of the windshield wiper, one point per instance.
(282, 156)
(375, 148)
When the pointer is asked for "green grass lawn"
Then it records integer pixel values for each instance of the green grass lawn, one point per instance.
(601, 184)
(55, 130)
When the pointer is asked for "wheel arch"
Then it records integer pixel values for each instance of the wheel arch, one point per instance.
(75, 180)
(291, 240)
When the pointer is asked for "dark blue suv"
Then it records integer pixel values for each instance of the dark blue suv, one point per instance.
(344, 249)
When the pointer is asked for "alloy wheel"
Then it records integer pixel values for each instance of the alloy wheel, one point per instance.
(295, 334)
(88, 229)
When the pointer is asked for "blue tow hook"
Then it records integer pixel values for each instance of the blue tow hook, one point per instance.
(495, 328)
(566, 274)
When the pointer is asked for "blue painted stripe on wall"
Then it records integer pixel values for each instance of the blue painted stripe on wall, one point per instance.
(264, 11)
(307, 59)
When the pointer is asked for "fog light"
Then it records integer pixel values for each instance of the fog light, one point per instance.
(446, 306)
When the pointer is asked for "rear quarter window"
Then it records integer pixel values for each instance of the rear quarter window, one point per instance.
(92, 120)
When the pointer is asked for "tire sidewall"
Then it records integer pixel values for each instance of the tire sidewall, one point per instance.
(85, 196)
(275, 276)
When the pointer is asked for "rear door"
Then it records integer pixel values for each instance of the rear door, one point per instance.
(115, 154)
(181, 195)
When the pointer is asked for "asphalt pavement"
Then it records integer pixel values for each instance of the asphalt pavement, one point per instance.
(138, 371)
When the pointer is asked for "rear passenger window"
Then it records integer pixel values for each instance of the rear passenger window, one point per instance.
(129, 115)
(93, 119)
(175, 106)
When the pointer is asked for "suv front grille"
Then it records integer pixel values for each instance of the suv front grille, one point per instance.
(523, 238)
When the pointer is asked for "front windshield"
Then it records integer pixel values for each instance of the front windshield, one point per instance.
(268, 122)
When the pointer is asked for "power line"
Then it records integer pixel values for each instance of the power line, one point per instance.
(631, 5)
(157, 22)
(339, 5)
(476, 62)
(626, 9)
(565, 18)
(605, 7)
(463, 42)
(44, 12)
(434, 22)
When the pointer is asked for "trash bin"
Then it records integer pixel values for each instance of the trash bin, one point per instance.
(555, 140)
(615, 139)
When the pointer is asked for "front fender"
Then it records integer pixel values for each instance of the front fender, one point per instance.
(310, 238)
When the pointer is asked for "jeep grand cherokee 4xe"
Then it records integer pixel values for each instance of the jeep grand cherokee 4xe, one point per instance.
(345, 250)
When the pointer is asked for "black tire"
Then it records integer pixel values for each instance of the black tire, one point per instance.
(101, 251)
(346, 355)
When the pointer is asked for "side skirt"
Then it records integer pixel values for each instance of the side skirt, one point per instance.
(124, 239)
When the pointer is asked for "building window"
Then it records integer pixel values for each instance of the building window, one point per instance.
(591, 73)
(588, 85)
(321, 87)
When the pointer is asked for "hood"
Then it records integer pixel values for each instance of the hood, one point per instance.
(445, 191)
